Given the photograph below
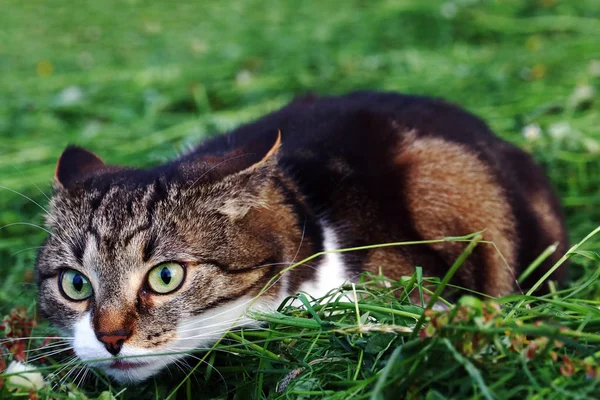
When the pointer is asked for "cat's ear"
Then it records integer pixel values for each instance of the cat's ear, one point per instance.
(252, 186)
(269, 160)
(75, 163)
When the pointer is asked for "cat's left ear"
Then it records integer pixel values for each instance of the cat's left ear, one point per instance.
(269, 160)
(74, 164)
(251, 186)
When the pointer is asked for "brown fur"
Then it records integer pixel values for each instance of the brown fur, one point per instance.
(395, 264)
(450, 192)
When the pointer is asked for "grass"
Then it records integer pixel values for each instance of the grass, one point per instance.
(139, 81)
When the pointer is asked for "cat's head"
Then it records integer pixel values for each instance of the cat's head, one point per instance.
(141, 263)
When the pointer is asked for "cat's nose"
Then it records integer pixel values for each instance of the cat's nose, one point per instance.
(113, 341)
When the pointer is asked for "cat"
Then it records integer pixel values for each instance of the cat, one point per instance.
(142, 262)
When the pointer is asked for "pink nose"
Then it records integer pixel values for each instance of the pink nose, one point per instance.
(113, 341)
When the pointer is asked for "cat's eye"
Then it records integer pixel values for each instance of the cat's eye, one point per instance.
(166, 278)
(74, 285)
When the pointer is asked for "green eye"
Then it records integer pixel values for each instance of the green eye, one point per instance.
(74, 286)
(166, 278)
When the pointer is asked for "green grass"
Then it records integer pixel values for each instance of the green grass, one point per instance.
(138, 81)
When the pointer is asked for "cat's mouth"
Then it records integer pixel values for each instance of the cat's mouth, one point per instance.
(127, 365)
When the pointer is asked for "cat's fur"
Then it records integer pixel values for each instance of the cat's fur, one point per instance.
(366, 168)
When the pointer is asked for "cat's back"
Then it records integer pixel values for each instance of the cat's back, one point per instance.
(337, 122)
(386, 167)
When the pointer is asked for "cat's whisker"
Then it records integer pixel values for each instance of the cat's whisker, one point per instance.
(32, 183)
(188, 324)
(26, 249)
(29, 198)
(253, 299)
(230, 324)
(50, 353)
(186, 365)
(27, 224)
(220, 332)
(169, 370)
(221, 323)
(216, 332)
(41, 191)
(69, 361)
(308, 265)
(55, 374)
(35, 226)
(65, 378)
(232, 346)
(36, 338)
(213, 334)
(174, 360)
(76, 381)
(47, 213)
(48, 346)
(231, 321)
(187, 350)
(201, 361)
(301, 241)
(84, 376)
(73, 365)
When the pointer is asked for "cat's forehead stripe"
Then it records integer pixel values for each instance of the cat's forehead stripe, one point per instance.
(120, 214)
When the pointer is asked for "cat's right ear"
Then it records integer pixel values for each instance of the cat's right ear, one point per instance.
(74, 164)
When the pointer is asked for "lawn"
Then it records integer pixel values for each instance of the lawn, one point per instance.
(138, 81)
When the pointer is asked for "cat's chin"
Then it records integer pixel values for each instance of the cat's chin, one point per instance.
(131, 370)
(125, 372)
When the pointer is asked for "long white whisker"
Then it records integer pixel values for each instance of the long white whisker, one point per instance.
(185, 350)
(220, 332)
(201, 361)
(49, 354)
(210, 334)
(175, 361)
(221, 323)
(48, 346)
(75, 379)
(301, 241)
(239, 305)
(25, 249)
(230, 321)
(185, 364)
(85, 374)
(28, 198)
(35, 338)
(29, 181)
(64, 378)
(25, 223)
(35, 226)
(55, 374)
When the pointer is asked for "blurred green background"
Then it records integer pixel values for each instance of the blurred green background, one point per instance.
(139, 81)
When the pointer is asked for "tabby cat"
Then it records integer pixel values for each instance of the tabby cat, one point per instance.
(142, 262)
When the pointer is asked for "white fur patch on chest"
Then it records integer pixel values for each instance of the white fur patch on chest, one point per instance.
(331, 271)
